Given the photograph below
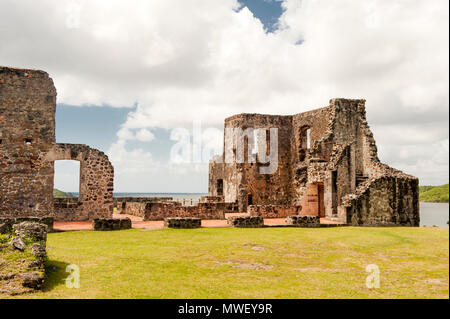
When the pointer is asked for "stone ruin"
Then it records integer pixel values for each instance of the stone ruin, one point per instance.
(182, 222)
(108, 224)
(327, 167)
(28, 150)
(23, 248)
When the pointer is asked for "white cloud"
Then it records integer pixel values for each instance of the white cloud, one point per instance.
(201, 60)
(144, 135)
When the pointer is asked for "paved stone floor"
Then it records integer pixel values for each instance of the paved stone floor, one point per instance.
(137, 222)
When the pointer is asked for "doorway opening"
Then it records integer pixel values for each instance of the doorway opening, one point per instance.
(220, 187)
(321, 202)
(66, 179)
(249, 200)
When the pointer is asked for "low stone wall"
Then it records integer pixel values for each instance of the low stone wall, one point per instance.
(303, 221)
(159, 211)
(111, 224)
(273, 211)
(245, 221)
(136, 205)
(24, 248)
(133, 208)
(121, 202)
(231, 207)
(211, 199)
(6, 224)
(68, 209)
(183, 222)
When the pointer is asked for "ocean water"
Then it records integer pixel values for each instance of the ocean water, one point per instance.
(434, 214)
(430, 213)
(175, 196)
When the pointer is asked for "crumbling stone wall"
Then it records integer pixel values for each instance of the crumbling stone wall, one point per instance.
(245, 221)
(108, 224)
(6, 224)
(27, 134)
(182, 222)
(136, 205)
(328, 165)
(273, 211)
(387, 200)
(161, 210)
(211, 199)
(95, 198)
(303, 221)
(22, 257)
(134, 208)
(242, 181)
(66, 208)
(28, 151)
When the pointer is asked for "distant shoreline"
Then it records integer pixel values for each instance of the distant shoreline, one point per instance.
(434, 194)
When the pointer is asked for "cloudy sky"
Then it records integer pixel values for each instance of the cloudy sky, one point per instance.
(130, 72)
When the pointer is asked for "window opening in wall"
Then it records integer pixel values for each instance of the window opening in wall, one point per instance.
(334, 192)
(67, 179)
(220, 187)
(308, 138)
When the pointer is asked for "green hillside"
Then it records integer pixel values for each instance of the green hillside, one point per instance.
(435, 194)
(58, 193)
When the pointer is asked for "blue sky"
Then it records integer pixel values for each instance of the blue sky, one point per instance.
(125, 82)
(267, 11)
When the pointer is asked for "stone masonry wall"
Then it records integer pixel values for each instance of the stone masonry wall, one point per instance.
(243, 180)
(22, 257)
(273, 211)
(107, 224)
(337, 175)
(136, 205)
(96, 182)
(28, 151)
(182, 222)
(134, 208)
(161, 210)
(27, 134)
(386, 201)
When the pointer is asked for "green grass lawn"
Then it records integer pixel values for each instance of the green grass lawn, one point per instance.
(250, 263)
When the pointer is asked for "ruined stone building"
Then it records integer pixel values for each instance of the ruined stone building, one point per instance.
(28, 150)
(327, 166)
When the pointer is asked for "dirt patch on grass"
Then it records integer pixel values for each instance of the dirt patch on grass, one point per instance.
(254, 246)
(246, 265)
(318, 269)
(433, 281)
(258, 248)
(297, 255)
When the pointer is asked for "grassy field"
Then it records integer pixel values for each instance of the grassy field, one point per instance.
(436, 194)
(250, 263)
(58, 193)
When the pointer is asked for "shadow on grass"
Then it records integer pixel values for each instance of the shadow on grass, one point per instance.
(55, 274)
